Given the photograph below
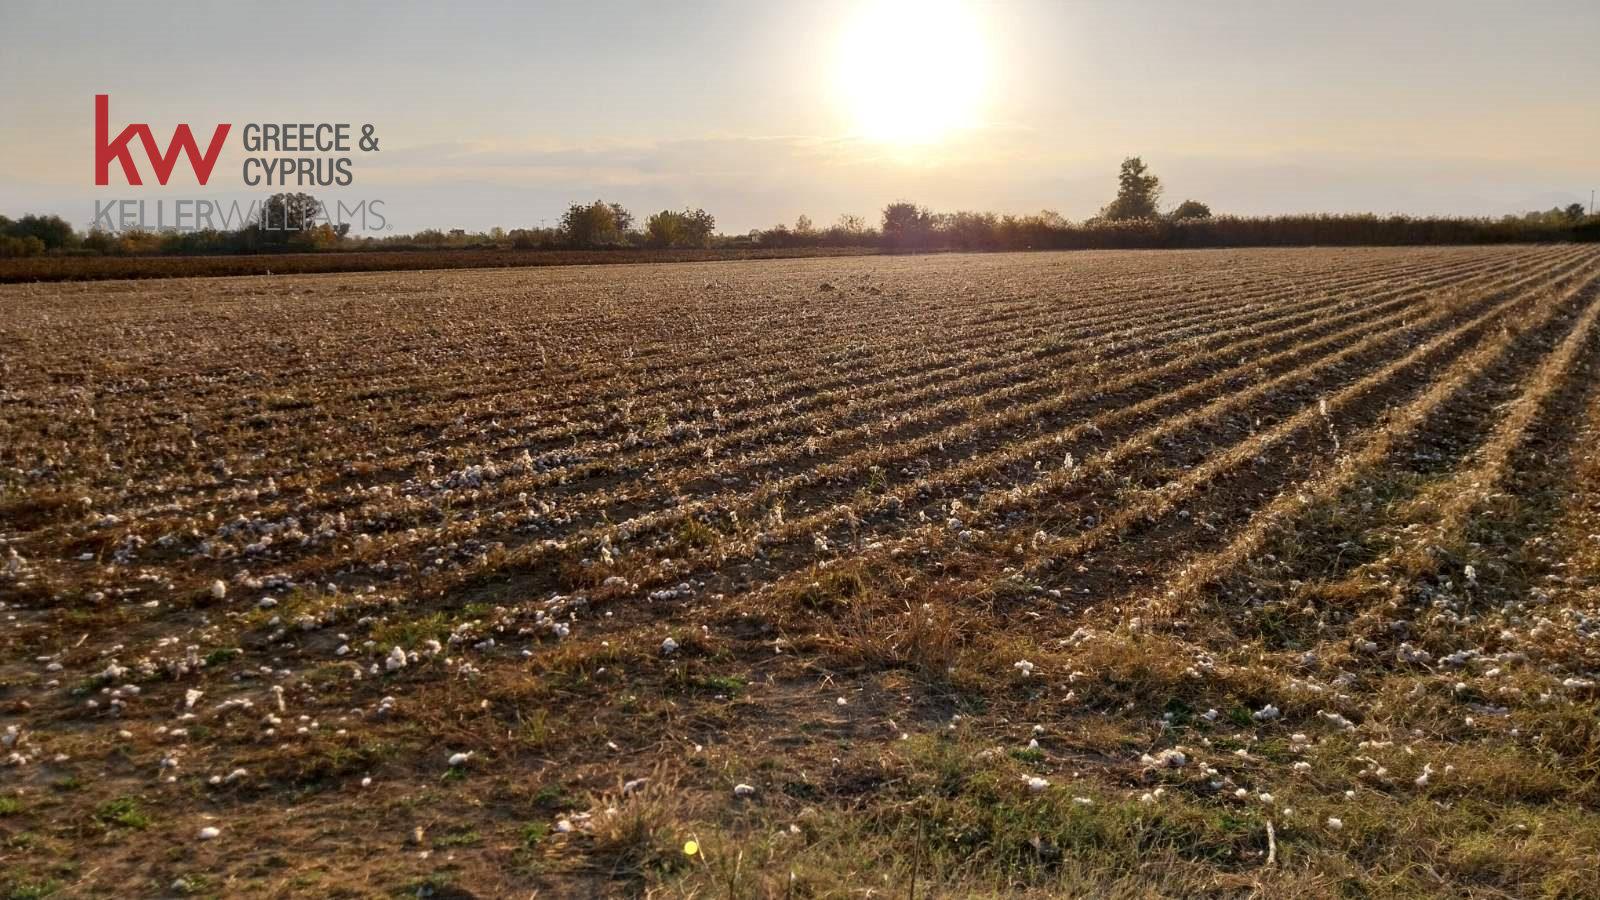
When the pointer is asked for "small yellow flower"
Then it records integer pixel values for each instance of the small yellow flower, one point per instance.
(691, 847)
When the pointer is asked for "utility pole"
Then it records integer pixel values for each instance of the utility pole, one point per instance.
(1591, 201)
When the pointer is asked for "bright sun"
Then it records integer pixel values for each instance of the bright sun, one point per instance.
(912, 71)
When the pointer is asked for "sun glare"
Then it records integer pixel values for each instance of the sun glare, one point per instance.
(912, 71)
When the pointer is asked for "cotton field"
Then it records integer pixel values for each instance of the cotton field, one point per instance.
(1143, 572)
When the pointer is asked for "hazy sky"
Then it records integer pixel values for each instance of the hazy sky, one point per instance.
(498, 114)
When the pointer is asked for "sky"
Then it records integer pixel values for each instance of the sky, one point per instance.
(762, 110)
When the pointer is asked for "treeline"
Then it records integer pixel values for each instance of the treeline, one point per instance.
(1134, 220)
(291, 223)
(283, 223)
(904, 228)
(1048, 231)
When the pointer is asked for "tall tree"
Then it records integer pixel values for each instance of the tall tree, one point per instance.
(698, 227)
(905, 224)
(1138, 192)
(52, 231)
(285, 213)
(689, 228)
(595, 224)
(664, 229)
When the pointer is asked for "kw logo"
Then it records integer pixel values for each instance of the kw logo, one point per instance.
(105, 150)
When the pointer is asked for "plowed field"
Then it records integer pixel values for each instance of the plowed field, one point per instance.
(1142, 572)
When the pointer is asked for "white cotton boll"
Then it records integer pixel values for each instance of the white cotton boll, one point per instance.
(1037, 784)
(633, 786)
(842, 702)
(1335, 823)
(460, 759)
(1336, 720)
(669, 646)
(743, 790)
(218, 590)
(396, 660)
(1023, 667)
(209, 833)
(1265, 714)
(191, 697)
(1166, 759)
